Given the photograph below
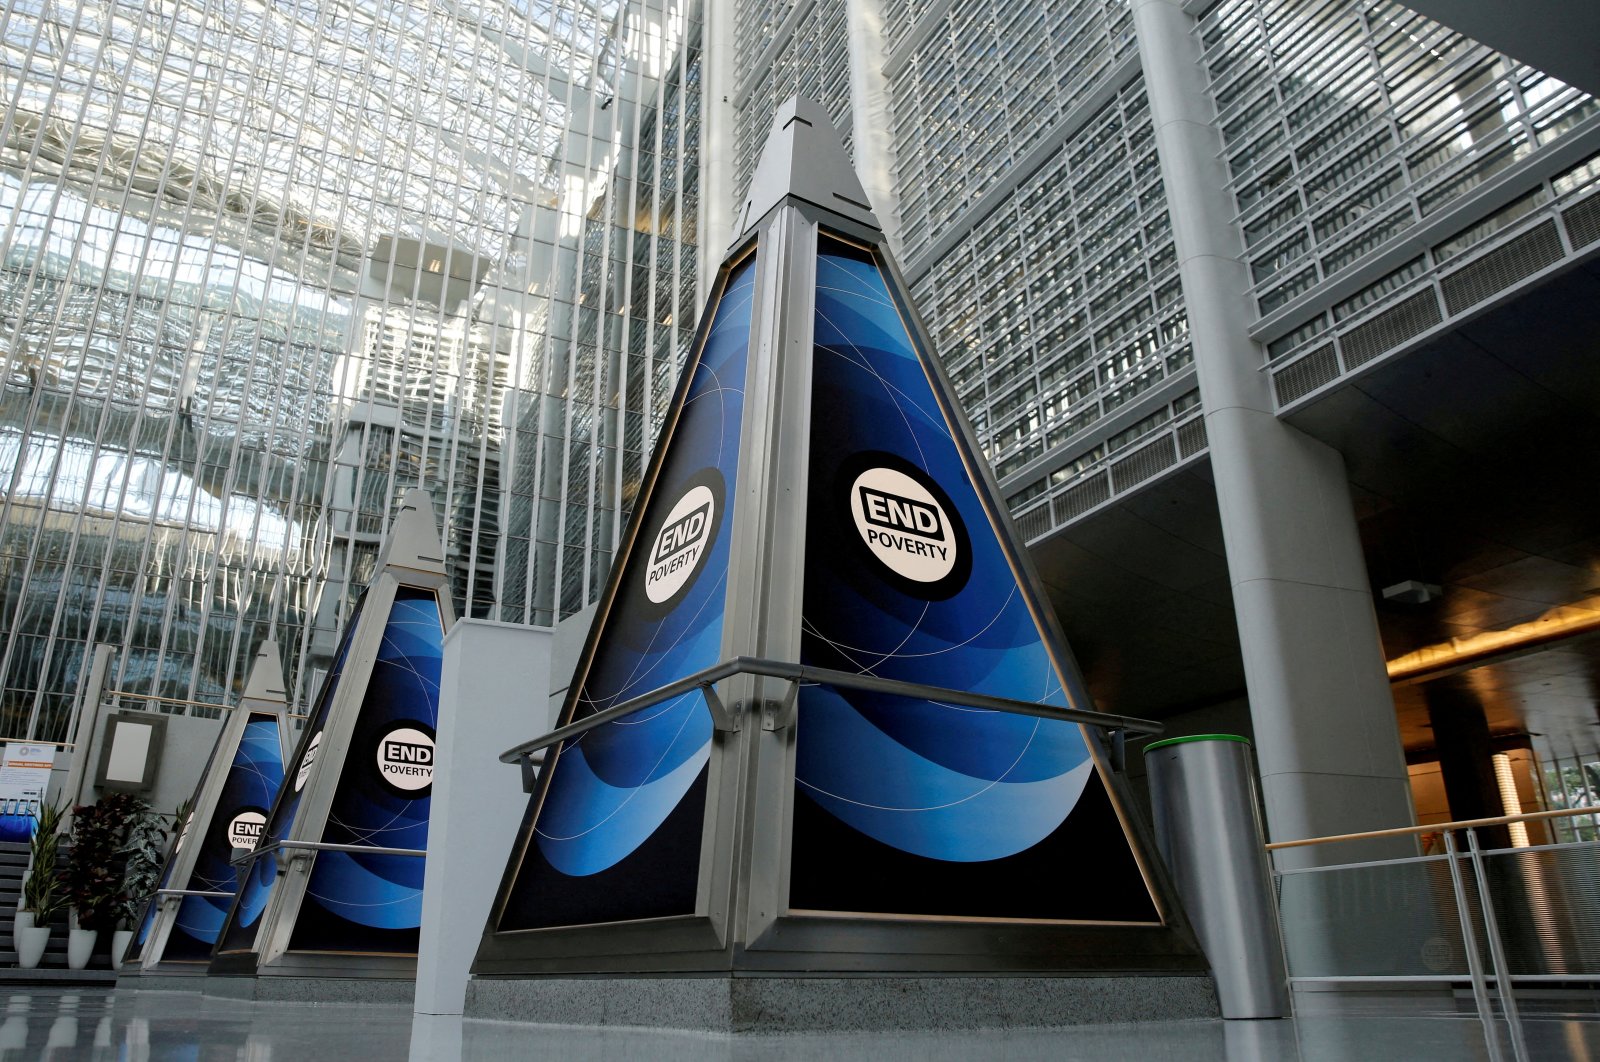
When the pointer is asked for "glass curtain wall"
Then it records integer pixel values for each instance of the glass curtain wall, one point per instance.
(263, 267)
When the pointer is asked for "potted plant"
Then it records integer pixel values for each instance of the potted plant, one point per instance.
(94, 882)
(42, 898)
(141, 873)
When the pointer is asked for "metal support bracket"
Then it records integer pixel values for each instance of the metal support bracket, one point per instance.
(722, 718)
(531, 762)
(1119, 749)
(780, 715)
(288, 857)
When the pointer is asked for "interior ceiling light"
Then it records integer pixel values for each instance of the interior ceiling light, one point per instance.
(1411, 592)
(1458, 654)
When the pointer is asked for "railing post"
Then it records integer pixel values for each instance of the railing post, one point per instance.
(1469, 941)
(1497, 951)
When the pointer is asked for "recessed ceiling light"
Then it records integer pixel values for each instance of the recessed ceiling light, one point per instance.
(1411, 592)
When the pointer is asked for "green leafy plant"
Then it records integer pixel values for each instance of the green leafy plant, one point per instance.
(142, 848)
(180, 815)
(41, 893)
(94, 880)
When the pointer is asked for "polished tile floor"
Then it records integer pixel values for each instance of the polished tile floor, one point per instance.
(50, 1024)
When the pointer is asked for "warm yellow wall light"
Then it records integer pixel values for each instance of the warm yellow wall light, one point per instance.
(1509, 799)
(1562, 622)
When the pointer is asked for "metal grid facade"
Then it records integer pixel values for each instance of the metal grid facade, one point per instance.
(1034, 225)
(263, 268)
(787, 48)
(1346, 125)
(1390, 174)
(979, 86)
(1062, 305)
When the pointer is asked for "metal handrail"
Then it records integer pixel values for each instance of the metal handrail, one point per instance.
(1438, 827)
(325, 846)
(1458, 859)
(192, 892)
(800, 673)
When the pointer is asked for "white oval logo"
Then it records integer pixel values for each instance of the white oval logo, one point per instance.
(681, 544)
(183, 834)
(244, 829)
(308, 761)
(405, 759)
(904, 525)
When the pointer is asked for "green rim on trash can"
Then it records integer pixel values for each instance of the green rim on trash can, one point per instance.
(1164, 742)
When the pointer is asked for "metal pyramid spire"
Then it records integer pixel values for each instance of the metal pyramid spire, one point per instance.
(804, 158)
(229, 807)
(265, 687)
(336, 883)
(413, 540)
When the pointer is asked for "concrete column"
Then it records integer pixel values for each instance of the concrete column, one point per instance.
(872, 136)
(85, 734)
(492, 694)
(1326, 738)
(1466, 759)
(718, 142)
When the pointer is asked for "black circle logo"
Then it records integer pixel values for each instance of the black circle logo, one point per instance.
(246, 827)
(906, 523)
(308, 760)
(677, 545)
(404, 758)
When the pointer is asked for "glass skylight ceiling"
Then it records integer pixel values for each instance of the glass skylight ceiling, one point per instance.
(278, 262)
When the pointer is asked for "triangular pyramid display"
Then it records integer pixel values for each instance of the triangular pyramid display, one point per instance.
(625, 785)
(873, 753)
(335, 887)
(909, 806)
(182, 922)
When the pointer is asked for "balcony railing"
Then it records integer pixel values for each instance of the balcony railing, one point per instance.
(1465, 913)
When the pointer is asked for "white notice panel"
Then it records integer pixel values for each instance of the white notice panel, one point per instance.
(130, 748)
(24, 777)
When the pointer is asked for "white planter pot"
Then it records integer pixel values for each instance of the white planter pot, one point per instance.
(119, 947)
(23, 920)
(80, 945)
(31, 943)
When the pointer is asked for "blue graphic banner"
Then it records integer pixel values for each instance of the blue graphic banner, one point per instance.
(17, 827)
(912, 806)
(373, 903)
(615, 832)
(239, 932)
(238, 820)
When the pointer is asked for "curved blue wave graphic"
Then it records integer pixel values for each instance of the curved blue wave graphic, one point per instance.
(253, 779)
(239, 931)
(612, 788)
(931, 779)
(382, 892)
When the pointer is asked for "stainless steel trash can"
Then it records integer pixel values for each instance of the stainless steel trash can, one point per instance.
(1202, 789)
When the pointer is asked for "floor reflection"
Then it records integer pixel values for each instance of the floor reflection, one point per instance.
(46, 1024)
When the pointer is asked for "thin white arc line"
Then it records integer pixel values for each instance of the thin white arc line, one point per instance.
(843, 648)
(922, 458)
(941, 807)
(633, 791)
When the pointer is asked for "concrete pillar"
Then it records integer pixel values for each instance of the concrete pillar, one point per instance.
(718, 142)
(872, 135)
(1324, 722)
(85, 734)
(491, 696)
(1466, 759)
